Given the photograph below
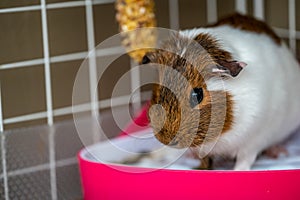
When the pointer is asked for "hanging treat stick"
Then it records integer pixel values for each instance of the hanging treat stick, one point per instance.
(133, 15)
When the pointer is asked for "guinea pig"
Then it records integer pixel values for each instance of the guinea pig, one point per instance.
(230, 89)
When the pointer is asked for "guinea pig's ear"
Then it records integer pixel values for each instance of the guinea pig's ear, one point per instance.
(148, 58)
(228, 68)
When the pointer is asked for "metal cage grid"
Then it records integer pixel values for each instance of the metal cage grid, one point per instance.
(240, 5)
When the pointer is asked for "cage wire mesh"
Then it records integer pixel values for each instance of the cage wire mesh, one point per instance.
(39, 162)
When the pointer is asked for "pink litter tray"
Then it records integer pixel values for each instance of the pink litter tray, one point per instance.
(105, 175)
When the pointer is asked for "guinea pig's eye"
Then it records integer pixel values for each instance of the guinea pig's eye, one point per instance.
(196, 97)
(145, 60)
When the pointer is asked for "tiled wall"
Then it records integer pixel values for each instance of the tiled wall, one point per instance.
(39, 162)
(28, 164)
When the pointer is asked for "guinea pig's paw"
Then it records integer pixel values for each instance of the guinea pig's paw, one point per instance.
(206, 163)
(244, 161)
(275, 151)
(167, 155)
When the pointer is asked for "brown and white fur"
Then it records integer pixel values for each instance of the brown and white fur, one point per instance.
(251, 90)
